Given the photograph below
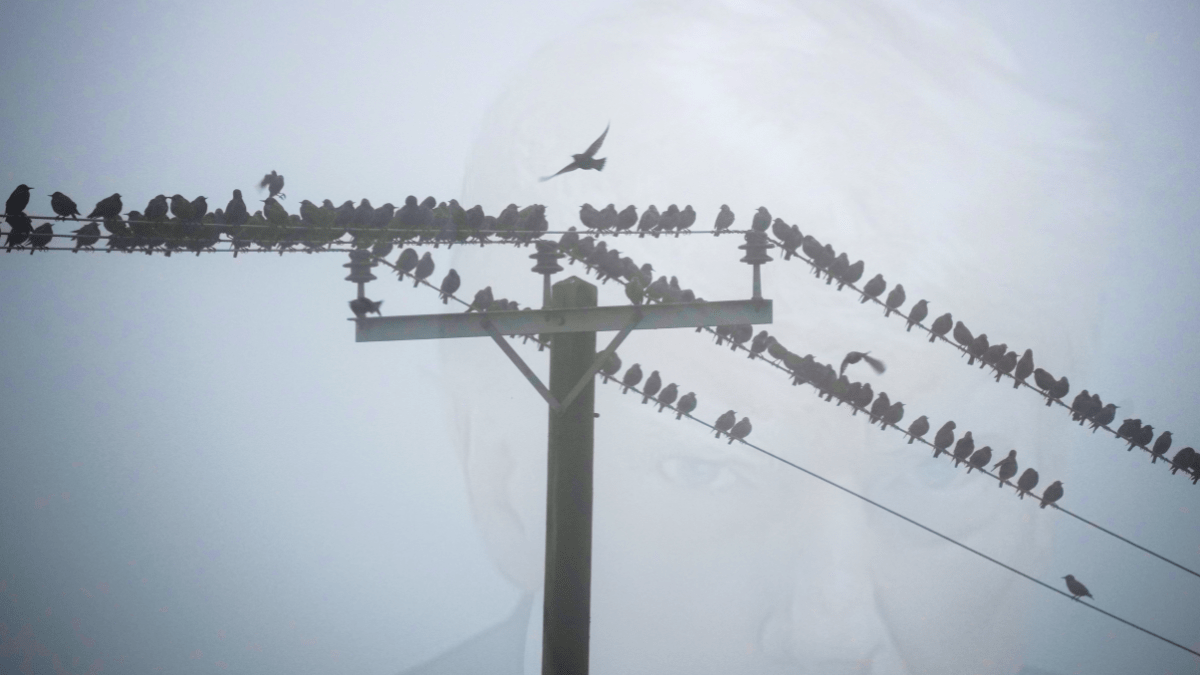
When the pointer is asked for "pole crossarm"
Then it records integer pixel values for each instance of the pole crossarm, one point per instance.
(547, 321)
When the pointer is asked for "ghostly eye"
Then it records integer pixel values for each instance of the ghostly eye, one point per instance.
(697, 473)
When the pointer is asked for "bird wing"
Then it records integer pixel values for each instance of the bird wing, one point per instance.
(265, 182)
(875, 364)
(570, 167)
(595, 147)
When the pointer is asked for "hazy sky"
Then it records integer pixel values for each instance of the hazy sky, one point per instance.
(201, 465)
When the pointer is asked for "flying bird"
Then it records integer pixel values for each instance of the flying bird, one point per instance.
(63, 207)
(585, 160)
(273, 182)
(1077, 589)
(854, 357)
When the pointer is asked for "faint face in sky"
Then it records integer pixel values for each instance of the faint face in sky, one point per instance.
(876, 131)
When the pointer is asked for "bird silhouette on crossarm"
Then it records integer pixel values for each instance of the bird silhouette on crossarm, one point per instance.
(584, 160)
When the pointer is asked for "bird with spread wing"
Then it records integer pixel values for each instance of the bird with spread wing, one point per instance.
(586, 160)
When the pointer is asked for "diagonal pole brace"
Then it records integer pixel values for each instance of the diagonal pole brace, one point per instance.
(600, 359)
(520, 364)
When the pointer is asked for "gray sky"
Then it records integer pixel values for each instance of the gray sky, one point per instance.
(196, 448)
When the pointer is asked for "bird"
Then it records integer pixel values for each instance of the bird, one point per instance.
(632, 376)
(109, 207)
(649, 220)
(653, 384)
(87, 236)
(941, 326)
(1128, 428)
(272, 209)
(407, 262)
(760, 343)
(1183, 459)
(894, 300)
(363, 306)
(740, 430)
(610, 367)
(667, 396)
(944, 438)
(1077, 589)
(1053, 389)
(874, 288)
(1053, 493)
(686, 218)
(199, 208)
(762, 220)
(918, 428)
(181, 208)
(854, 357)
(725, 422)
(627, 218)
(450, 284)
(980, 458)
(63, 207)
(1007, 466)
(156, 208)
(1105, 417)
(1026, 482)
(236, 214)
(1005, 364)
(977, 348)
(20, 227)
(962, 335)
(42, 234)
(686, 405)
(584, 160)
(894, 414)
(1142, 437)
(964, 448)
(423, 270)
(273, 182)
(1161, 446)
(918, 313)
(879, 407)
(18, 200)
(852, 274)
(483, 298)
(1024, 368)
(635, 290)
(724, 220)
(992, 355)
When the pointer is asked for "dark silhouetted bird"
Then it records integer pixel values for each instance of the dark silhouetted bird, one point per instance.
(627, 218)
(724, 221)
(586, 159)
(1007, 466)
(725, 422)
(18, 200)
(962, 335)
(236, 214)
(635, 290)
(362, 307)
(1053, 493)
(980, 458)
(879, 407)
(918, 314)
(156, 208)
(272, 209)
(1077, 589)
(649, 220)
(993, 354)
(407, 262)
(667, 396)
(1160, 446)
(653, 384)
(740, 430)
(1005, 364)
(1024, 368)
(838, 268)
(1183, 460)
(686, 405)
(740, 334)
(918, 428)
(109, 207)
(483, 298)
(1051, 388)
(199, 208)
(1104, 417)
(976, 348)
(607, 218)
(762, 220)
(273, 182)
(87, 236)
(874, 288)
(964, 448)
(854, 357)
(181, 208)
(612, 365)
(424, 269)
(893, 415)
(42, 234)
(632, 376)
(944, 438)
(852, 274)
(668, 221)
(865, 395)
(687, 217)
(941, 326)
(760, 343)
(63, 207)
(20, 227)
(895, 300)
(450, 284)
(1026, 482)
(1129, 429)
(1142, 438)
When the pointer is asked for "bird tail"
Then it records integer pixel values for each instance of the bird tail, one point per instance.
(678, 415)
(932, 336)
(875, 364)
(600, 164)
(910, 325)
(911, 439)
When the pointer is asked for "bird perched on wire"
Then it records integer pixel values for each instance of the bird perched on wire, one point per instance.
(1142, 437)
(450, 284)
(895, 300)
(236, 214)
(725, 422)
(156, 208)
(941, 326)
(1183, 460)
(760, 343)
(423, 270)
(962, 335)
(686, 405)
(632, 376)
(1077, 589)
(1129, 428)
(181, 208)
(964, 448)
(584, 160)
(944, 438)
(1026, 482)
(667, 396)
(609, 369)
(762, 220)
(917, 314)
(976, 347)
(1104, 417)
(18, 200)
(63, 207)
(894, 414)
(109, 207)
(653, 384)
(20, 227)
(42, 234)
(686, 218)
(1005, 364)
(740, 430)
(1007, 466)
(879, 407)
(979, 459)
(1160, 446)
(363, 306)
(635, 290)
(918, 428)
(649, 221)
(852, 274)
(854, 357)
(1053, 493)
(874, 288)
(87, 236)
(407, 262)
(273, 182)
(724, 220)
(1024, 368)
(483, 298)
(627, 218)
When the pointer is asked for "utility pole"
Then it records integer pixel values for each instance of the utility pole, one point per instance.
(571, 318)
